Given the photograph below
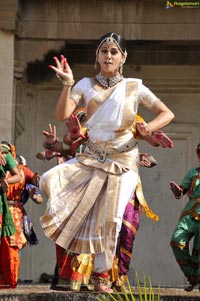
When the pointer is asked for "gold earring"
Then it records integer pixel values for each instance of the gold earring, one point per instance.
(121, 68)
(95, 64)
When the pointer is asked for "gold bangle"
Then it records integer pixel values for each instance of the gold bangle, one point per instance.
(68, 82)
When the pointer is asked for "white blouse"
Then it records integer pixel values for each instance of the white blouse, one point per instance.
(104, 123)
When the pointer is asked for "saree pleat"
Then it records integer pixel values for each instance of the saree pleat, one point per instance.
(82, 211)
(93, 212)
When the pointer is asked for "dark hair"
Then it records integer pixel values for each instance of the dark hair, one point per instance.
(6, 146)
(6, 143)
(198, 149)
(119, 39)
(19, 159)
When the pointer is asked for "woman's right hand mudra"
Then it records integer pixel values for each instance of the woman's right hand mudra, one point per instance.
(62, 68)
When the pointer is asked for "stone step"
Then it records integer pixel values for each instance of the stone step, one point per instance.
(44, 293)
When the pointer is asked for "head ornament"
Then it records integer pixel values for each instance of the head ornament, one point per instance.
(110, 41)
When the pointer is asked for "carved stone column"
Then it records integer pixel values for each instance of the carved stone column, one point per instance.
(6, 85)
(8, 10)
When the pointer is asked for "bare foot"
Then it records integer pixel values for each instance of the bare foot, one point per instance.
(101, 287)
(122, 289)
(190, 287)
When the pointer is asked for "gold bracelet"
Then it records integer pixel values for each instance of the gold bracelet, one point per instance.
(68, 82)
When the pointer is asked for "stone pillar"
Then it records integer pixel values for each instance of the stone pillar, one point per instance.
(6, 85)
(8, 10)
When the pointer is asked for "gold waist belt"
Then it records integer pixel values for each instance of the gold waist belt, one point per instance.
(196, 199)
(192, 211)
(102, 153)
(194, 214)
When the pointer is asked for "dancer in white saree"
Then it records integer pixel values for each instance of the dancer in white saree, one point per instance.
(87, 196)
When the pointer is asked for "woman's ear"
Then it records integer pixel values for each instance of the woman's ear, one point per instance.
(124, 57)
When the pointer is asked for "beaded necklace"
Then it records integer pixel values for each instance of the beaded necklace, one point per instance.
(108, 82)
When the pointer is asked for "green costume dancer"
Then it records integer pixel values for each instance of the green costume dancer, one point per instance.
(7, 227)
(188, 226)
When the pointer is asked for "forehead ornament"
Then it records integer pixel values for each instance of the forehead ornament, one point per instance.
(110, 41)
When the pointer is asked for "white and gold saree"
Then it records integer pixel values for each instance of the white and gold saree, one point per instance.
(86, 197)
